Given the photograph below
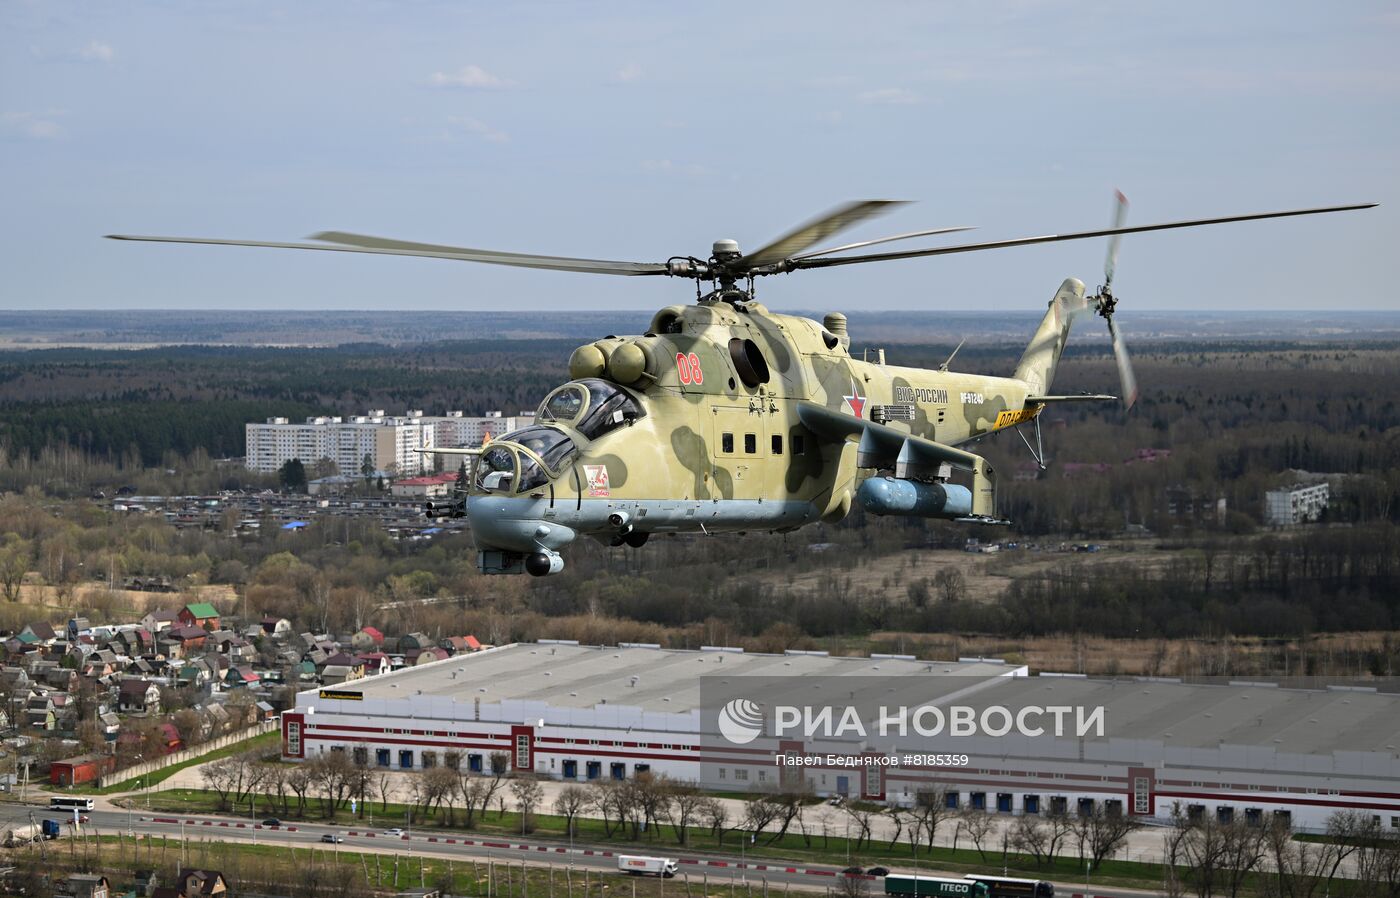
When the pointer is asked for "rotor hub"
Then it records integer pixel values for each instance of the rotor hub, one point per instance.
(726, 250)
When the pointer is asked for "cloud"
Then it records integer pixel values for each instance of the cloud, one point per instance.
(629, 72)
(890, 96)
(479, 128)
(97, 51)
(473, 76)
(32, 124)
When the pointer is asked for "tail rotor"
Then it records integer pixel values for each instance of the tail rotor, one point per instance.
(1105, 303)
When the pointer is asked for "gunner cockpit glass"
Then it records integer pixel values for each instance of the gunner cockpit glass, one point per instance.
(592, 406)
(495, 469)
(552, 446)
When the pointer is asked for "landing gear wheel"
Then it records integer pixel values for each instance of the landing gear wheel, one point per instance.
(636, 539)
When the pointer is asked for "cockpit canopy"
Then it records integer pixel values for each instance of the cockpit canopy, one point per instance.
(503, 468)
(591, 406)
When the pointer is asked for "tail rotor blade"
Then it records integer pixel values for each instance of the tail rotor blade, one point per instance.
(1125, 366)
(1120, 214)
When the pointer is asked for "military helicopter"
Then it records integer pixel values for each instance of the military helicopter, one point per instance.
(726, 417)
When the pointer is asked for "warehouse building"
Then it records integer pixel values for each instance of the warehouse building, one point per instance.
(1250, 751)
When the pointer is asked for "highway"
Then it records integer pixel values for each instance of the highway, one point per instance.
(459, 846)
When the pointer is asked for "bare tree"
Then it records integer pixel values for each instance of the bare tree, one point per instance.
(685, 809)
(931, 809)
(332, 776)
(572, 801)
(1245, 847)
(1030, 834)
(1101, 833)
(977, 824)
(715, 816)
(790, 799)
(233, 778)
(299, 782)
(652, 795)
(759, 812)
(862, 815)
(610, 801)
(528, 793)
(472, 789)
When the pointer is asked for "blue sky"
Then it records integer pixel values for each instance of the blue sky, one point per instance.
(640, 131)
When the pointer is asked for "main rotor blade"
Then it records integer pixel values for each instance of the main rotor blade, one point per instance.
(1125, 365)
(1053, 238)
(357, 243)
(1110, 262)
(849, 246)
(817, 230)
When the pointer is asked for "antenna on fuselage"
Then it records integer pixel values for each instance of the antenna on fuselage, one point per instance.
(944, 366)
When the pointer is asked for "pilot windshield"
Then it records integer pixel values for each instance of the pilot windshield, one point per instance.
(591, 406)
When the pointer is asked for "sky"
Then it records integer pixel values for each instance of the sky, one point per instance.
(639, 131)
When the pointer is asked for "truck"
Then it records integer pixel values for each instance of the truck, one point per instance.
(1013, 887)
(640, 865)
(933, 887)
(22, 834)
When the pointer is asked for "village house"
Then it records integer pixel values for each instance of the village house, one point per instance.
(156, 621)
(200, 614)
(368, 639)
(138, 697)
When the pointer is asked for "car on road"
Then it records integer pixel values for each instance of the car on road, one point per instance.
(332, 838)
(272, 821)
(877, 871)
(853, 871)
(83, 818)
(396, 831)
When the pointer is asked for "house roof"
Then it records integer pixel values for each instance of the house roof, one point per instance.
(473, 643)
(134, 687)
(42, 629)
(373, 633)
(201, 610)
(164, 614)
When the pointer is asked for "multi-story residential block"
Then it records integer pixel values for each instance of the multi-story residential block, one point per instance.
(390, 442)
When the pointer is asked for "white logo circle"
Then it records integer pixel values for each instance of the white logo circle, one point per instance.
(741, 721)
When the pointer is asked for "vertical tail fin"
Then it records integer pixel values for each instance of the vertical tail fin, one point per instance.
(1037, 365)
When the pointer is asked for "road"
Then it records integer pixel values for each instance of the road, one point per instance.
(460, 847)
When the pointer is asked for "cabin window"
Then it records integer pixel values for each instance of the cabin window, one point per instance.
(777, 444)
(750, 443)
(726, 442)
(799, 445)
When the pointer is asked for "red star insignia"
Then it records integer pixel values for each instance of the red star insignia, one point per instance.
(855, 401)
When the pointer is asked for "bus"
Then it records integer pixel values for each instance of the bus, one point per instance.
(1011, 887)
(933, 887)
(68, 803)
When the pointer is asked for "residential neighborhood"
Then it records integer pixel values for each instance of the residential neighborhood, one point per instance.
(80, 703)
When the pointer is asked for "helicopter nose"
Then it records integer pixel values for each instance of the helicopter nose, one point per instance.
(515, 524)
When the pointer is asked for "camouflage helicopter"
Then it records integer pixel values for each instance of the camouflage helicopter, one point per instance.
(726, 417)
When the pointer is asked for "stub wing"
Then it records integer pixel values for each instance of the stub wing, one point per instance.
(910, 457)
